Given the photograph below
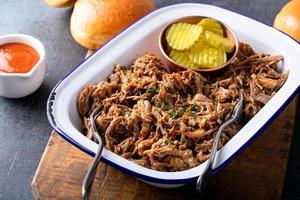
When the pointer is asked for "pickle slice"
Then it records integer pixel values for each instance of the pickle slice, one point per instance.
(181, 58)
(208, 57)
(209, 24)
(200, 44)
(182, 36)
(219, 42)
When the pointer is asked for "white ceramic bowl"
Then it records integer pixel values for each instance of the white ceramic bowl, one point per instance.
(17, 85)
(142, 37)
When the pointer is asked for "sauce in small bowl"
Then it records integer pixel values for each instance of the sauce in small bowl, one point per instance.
(17, 58)
(22, 65)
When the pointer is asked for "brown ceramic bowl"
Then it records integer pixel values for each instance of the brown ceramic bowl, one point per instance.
(228, 33)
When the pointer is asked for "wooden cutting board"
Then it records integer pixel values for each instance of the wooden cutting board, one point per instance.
(257, 173)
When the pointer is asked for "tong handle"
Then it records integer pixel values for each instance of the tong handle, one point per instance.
(236, 116)
(203, 179)
(90, 175)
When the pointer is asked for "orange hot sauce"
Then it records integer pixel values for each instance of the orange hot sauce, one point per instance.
(17, 58)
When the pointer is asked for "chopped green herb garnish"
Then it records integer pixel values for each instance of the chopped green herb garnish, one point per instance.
(173, 113)
(152, 90)
(193, 108)
(181, 112)
(177, 113)
(168, 102)
(149, 98)
(192, 113)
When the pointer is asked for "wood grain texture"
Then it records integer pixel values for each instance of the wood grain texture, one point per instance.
(257, 173)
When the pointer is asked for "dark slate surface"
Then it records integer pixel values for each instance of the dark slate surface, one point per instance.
(24, 129)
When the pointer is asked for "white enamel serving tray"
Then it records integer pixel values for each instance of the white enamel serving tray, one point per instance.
(142, 37)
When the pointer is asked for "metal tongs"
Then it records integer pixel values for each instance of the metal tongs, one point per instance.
(90, 175)
(202, 179)
(236, 116)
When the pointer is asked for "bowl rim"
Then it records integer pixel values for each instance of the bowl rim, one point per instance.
(30, 39)
(205, 70)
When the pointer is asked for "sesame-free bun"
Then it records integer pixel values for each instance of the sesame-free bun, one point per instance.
(60, 3)
(94, 22)
(288, 19)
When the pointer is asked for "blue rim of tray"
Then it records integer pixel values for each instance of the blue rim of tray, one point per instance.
(64, 135)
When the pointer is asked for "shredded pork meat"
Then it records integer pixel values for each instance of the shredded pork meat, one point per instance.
(167, 121)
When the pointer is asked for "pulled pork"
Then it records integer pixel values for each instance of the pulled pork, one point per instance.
(167, 121)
